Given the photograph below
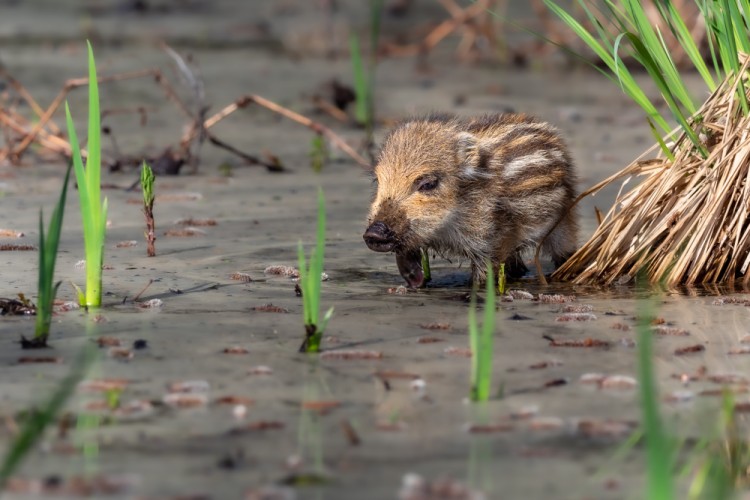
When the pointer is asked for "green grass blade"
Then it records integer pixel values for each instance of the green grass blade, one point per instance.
(93, 160)
(43, 314)
(474, 346)
(303, 284)
(652, 67)
(48, 247)
(612, 60)
(318, 256)
(324, 323)
(486, 341)
(682, 33)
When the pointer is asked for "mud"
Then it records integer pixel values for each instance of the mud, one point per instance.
(214, 399)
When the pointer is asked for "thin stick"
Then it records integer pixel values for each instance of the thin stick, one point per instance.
(135, 299)
(317, 127)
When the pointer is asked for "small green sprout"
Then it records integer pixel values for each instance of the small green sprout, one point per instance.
(426, 265)
(147, 186)
(310, 277)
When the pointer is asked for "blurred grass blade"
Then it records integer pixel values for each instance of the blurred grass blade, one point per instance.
(33, 427)
(361, 83)
(658, 447)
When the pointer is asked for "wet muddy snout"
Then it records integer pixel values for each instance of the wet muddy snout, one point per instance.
(379, 237)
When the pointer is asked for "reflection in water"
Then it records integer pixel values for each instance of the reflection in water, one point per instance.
(479, 474)
(310, 431)
(88, 422)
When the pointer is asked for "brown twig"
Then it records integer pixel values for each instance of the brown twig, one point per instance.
(317, 127)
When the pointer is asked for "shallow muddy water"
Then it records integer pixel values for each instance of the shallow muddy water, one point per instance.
(262, 418)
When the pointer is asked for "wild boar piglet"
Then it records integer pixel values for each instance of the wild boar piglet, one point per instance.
(484, 189)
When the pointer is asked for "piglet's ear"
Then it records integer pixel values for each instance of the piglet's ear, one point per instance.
(467, 148)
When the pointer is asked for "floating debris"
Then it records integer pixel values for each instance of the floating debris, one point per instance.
(244, 277)
(671, 331)
(546, 423)
(65, 306)
(288, 271)
(729, 378)
(621, 326)
(104, 384)
(260, 370)
(525, 412)
(587, 342)
(415, 487)
(519, 317)
(555, 298)
(723, 390)
(429, 340)
(606, 428)
(322, 407)
(185, 233)
(435, 326)
(189, 386)
(10, 233)
(743, 349)
(679, 396)
(609, 381)
(126, 244)
(151, 304)
(576, 316)
(577, 308)
(105, 341)
(391, 426)
(7, 247)
(182, 400)
(541, 365)
(351, 354)
(520, 295)
(234, 400)
(260, 425)
(399, 290)
(120, 353)
(99, 485)
(682, 351)
(40, 359)
(394, 375)
(270, 308)
(458, 351)
(189, 221)
(137, 409)
(489, 428)
(235, 349)
(16, 307)
(739, 300)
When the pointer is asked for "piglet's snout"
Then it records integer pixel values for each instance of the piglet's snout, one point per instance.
(379, 237)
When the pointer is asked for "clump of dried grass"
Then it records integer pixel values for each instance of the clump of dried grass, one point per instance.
(687, 220)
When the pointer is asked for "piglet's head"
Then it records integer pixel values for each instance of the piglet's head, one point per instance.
(420, 174)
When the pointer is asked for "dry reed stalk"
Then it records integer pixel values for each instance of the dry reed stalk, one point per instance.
(687, 221)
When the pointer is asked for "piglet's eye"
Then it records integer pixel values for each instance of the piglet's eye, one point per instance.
(426, 185)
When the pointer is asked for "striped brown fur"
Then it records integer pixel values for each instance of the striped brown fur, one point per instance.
(484, 188)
